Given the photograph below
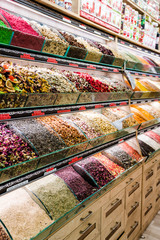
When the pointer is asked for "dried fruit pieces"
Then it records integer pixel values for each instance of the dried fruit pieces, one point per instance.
(68, 132)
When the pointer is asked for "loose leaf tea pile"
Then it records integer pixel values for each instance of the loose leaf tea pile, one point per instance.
(44, 139)
(54, 194)
(101, 175)
(13, 149)
(22, 217)
(81, 188)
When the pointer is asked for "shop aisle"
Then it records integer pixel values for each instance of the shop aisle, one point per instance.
(153, 231)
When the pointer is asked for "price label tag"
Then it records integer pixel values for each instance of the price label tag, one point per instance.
(82, 26)
(115, 70)
(52, 60)
(4, 116)
(105, 69)
(112, 105)
(82, 108)
(38, 113)
(50, 170)
(91, 66)
(121, 141)
(76, 159)
(99, 106)
(27, 56)
(123, 103)
(17, 185)
(63, 111)
(73, 65)
(97, 32)
(68, 20)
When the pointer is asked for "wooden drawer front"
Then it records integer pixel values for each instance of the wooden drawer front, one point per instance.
(114, 229)
(84, 215)
(133, 228)
(87, 230)
(157, 197)
(158, 168)
(113, 209)
(148, 210)
(133, 190)
(158, 183)
(149, 164)
(133, 207)
(98, 238)
(133, 176)
(148, 193)
(149, 175)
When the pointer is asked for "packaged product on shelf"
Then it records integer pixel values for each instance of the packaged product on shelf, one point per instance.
(81, 188)
(149, 141)
(145, 148)
(54, 194)
(119, 156)
(18, 212)
(24, 35)
(112, 167)
(53, 41)
(68, 5)
(154, 136)
(76, 49)
(70, 134)
(38, 134)
(93, 53)
(3, 233)
(14, 148)
(101, 175)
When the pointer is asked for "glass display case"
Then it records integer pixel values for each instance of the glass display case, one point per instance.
(58, 197)
(82, 99)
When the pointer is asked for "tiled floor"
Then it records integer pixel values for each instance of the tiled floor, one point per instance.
(153, 231)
